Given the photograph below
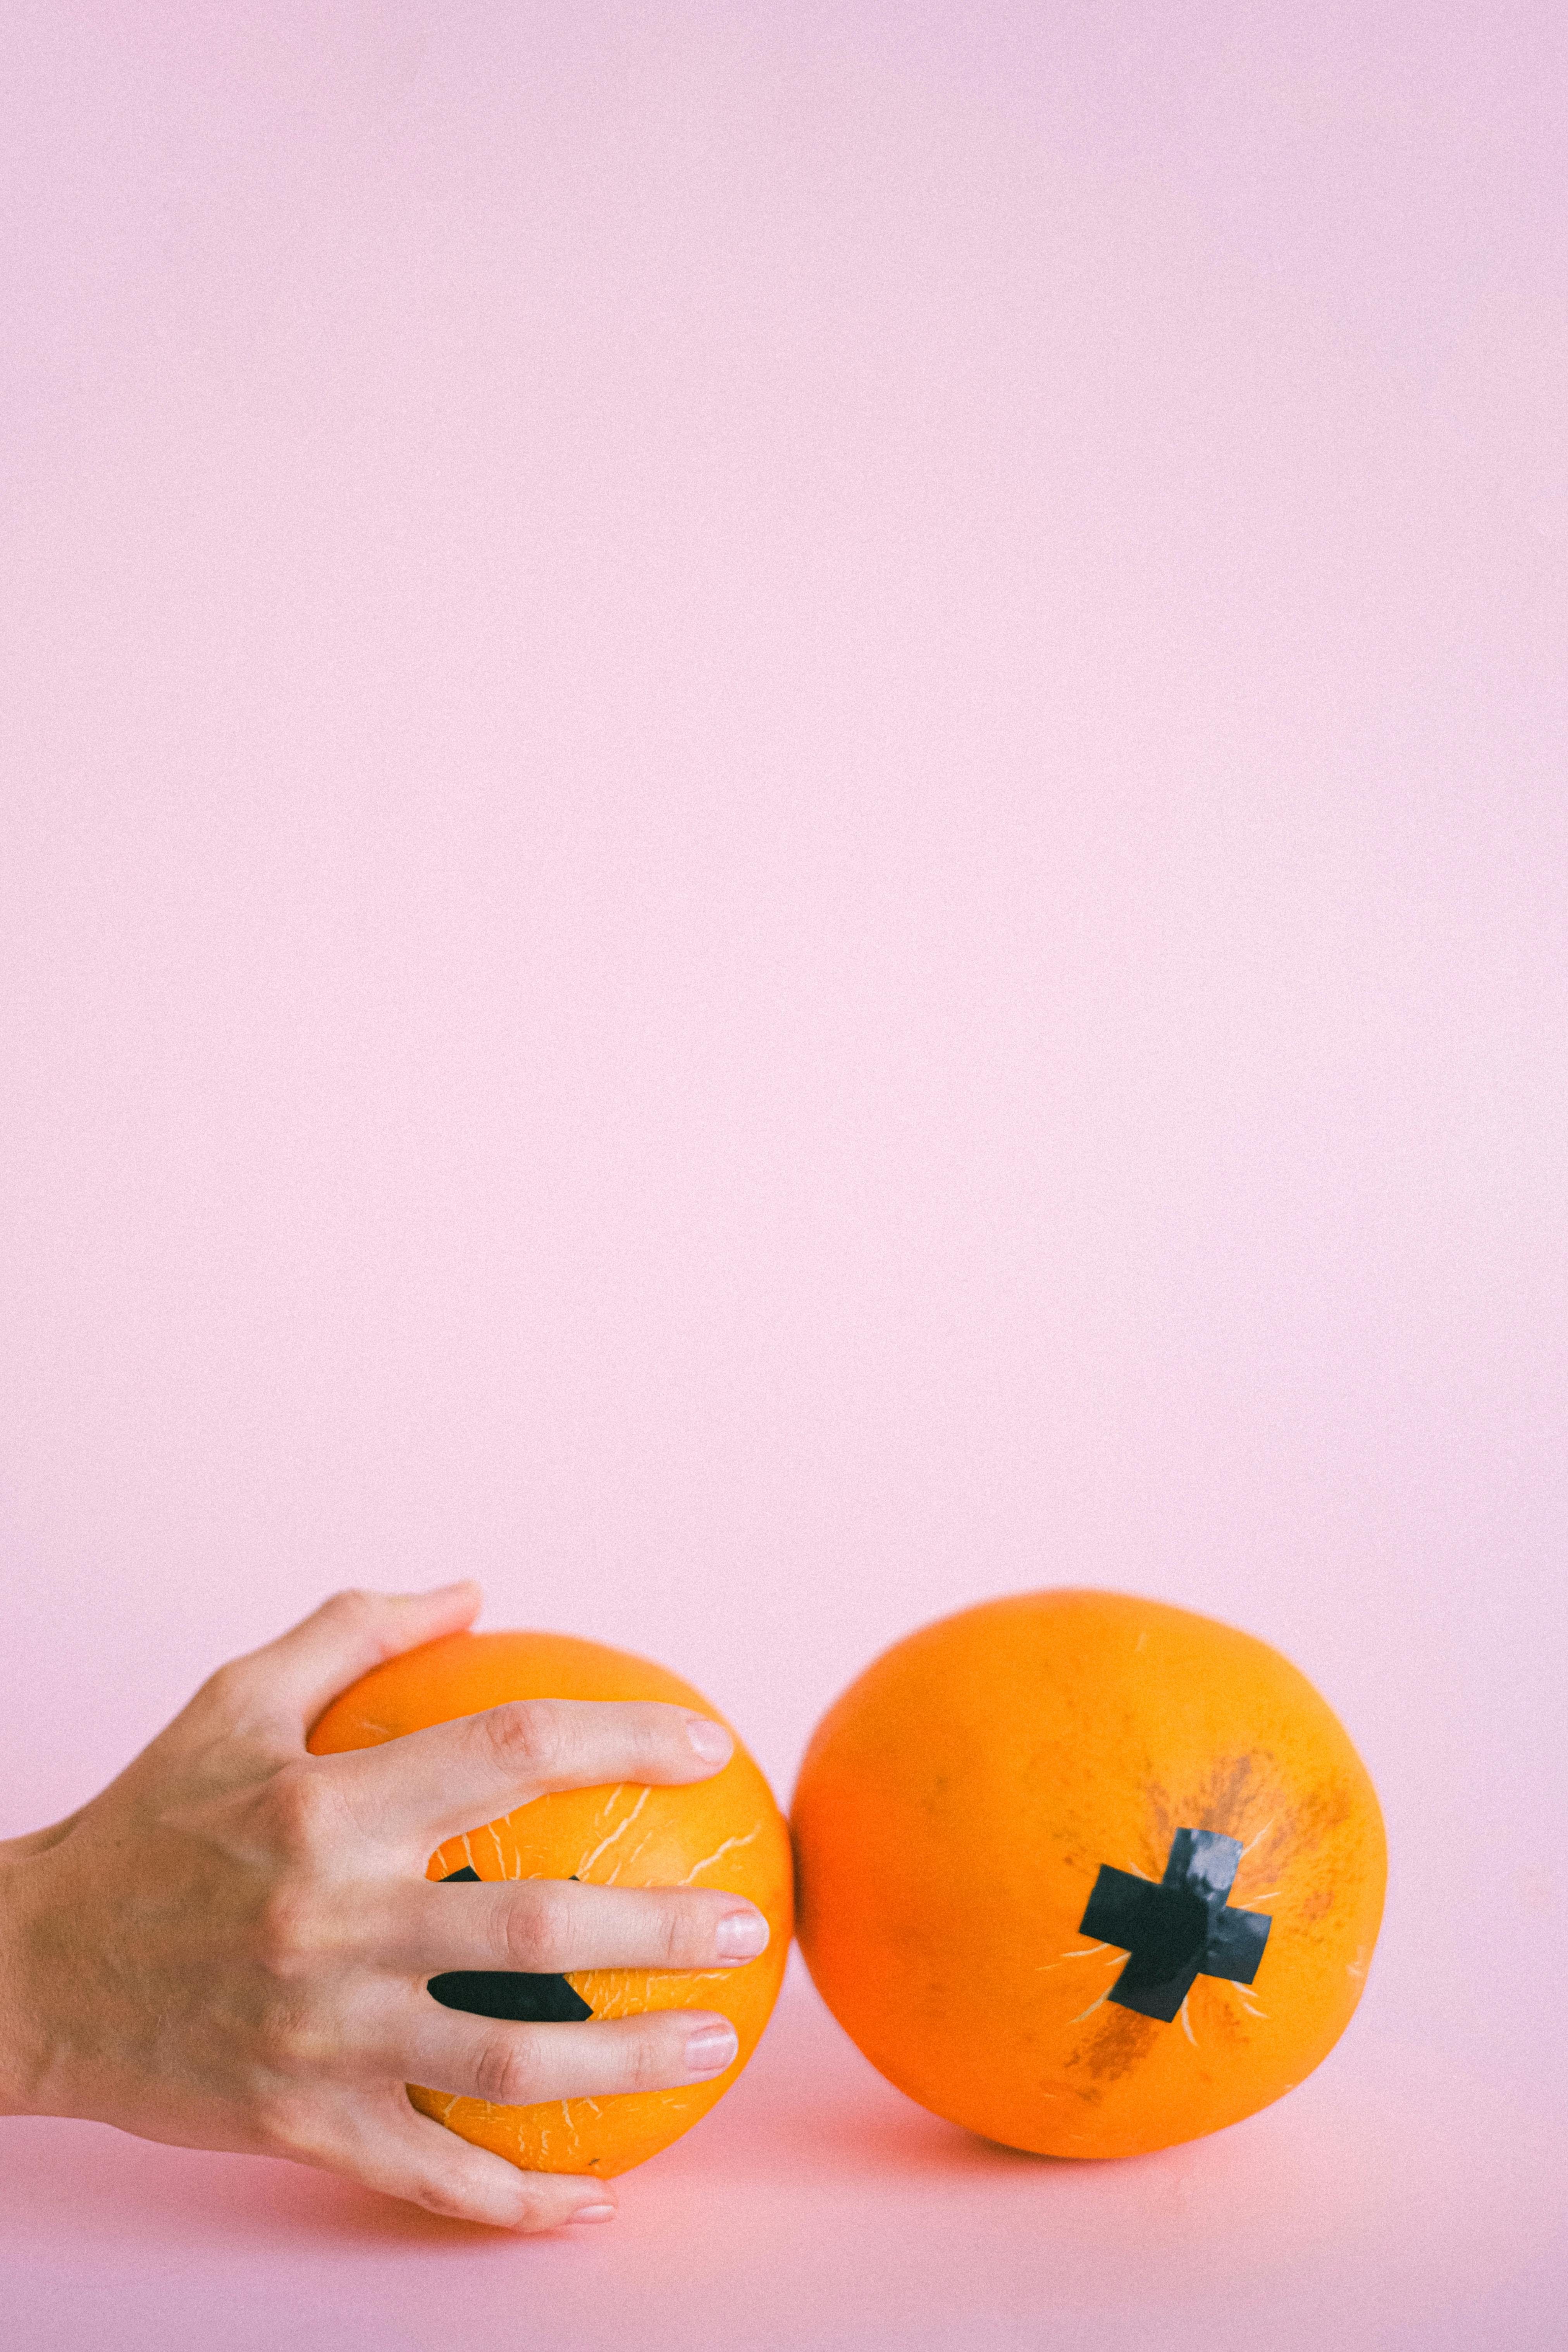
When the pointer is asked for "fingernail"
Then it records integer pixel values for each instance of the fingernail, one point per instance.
(593, 2213)
(740, 1935)
(712, 2048)
(711, 1740)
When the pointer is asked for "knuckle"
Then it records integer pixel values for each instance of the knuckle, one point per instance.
(505, 2074)
(536, 2212)
(684, 1933)
(354, 1611)
(225, 1690)
(529, 1736)
(300, 1809)
(646, 1728)
(284, 1936)
(654, 2057)
(352, 1608)
(236, 1703)
(298, 2042)
(536, 1930)
(446, 2197)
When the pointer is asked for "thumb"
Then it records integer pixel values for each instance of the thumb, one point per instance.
(292, 1679)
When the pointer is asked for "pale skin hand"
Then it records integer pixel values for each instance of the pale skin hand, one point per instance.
(230, 1948)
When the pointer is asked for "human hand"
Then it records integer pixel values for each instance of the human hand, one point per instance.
(230, 1948)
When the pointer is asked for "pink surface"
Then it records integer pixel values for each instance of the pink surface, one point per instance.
(784, 839)
(1395, 2200)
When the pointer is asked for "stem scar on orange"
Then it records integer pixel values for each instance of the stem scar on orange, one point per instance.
(1085, 1873)
(725, 1833)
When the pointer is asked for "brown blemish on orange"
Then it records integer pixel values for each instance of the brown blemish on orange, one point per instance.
(1224, 1804)
(1219, 2022)
(1116, 2045)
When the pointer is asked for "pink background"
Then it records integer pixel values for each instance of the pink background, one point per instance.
(784, 838)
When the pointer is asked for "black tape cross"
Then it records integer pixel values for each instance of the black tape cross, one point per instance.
(1179, 1930)
(513, 1993)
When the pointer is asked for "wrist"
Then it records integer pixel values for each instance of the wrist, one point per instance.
(18, 1849)
(22, 2036)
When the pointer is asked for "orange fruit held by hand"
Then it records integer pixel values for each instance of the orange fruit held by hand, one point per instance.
(725, 1833)
(1085, 1873)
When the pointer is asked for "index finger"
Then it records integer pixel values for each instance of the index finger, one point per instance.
(431, 1785)
(286, 1684)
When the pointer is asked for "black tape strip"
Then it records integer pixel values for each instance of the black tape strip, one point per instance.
(1179, 1930)
(516, 1994)
(1235, 1945)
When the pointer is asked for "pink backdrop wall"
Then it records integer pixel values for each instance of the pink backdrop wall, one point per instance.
(784, 836)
